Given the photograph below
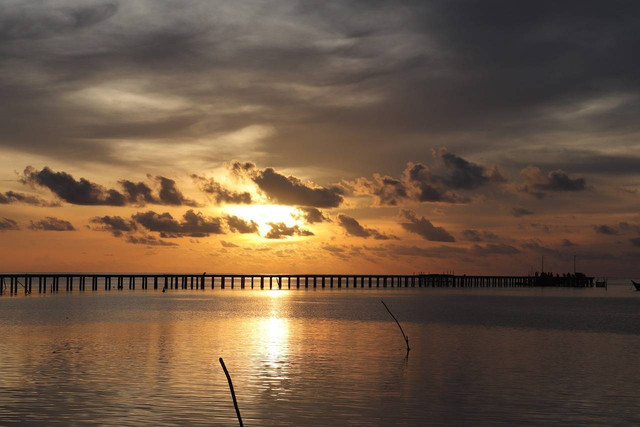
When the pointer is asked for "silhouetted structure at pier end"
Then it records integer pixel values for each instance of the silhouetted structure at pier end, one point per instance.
(12, 283)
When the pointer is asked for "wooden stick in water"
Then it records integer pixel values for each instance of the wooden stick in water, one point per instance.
(233, 394)
(406, 338)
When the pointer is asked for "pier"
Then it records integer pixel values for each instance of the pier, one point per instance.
(13, 283)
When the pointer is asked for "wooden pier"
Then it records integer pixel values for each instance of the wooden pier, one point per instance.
(12, 283)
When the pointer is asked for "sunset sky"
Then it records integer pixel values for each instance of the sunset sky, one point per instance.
(299, 136)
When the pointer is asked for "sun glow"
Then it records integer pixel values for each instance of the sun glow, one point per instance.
(265, 214)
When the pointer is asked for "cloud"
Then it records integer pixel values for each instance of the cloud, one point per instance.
(280, 230)
(429, 188)
(220, 194)
(85, 192)
(519, 212)
(52, 224)
(337, 251)
(419, 183)
(425, 228)
(170, 195)
(8, 224)
(442, 251)
(605, 229)
(312, 215)
(353, 228)
(537, 247)
(467, 175)
(635, 241)
(239, 225)
(42, 23)
(567, 243)
(138, 193)
(13, 197)
(63, 185)
(192, 224)
(115, 225)
(289, 190)
(623, 228)
(449, 251)
(148, 240)
(478, 236)
(626, 227)
(121, 227)
(482, 68)
(388, 191)
(537, 184)
(494, 249)
(226, 244)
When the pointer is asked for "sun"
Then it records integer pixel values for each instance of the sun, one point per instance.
(265, 214)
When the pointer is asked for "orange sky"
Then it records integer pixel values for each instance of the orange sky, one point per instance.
(283, 137)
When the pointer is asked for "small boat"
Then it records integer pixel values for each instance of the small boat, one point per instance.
(637, 285)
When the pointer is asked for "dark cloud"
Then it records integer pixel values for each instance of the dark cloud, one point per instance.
(138, 193)
(463, 174)
(494, 249)
(542, 227)
(387, 190)
(420, 177)
(418, 183)
(121, 227)
(537, 247)
(239, 225)
(442, 183)
(478, 236)
(192, 224)
(626, 227)
(280, 230)
(226, 244)
(148, 240)
(425, 228)
(635, 241)
(337, 251)
(605, 229)
(8, 224)
(582, 161)
(490, 72)
(567, 243)
(289, 190)
(13, 197)
(442, 251)
(242, 169)
(63, 185)
(84, 192)
(220, 194)
(170, 195)
(353, 228)
(538, 184)
(518, 212)
(42, 23)
(312, 215)
(114, 224)
(52, 224)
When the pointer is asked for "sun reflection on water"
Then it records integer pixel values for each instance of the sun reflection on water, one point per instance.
(274, 338)
(271, 335)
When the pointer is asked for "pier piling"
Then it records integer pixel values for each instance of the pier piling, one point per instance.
(11, 282)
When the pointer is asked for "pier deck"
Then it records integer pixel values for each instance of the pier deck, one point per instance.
(12, 283)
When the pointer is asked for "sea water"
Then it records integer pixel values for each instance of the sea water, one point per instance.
(322, 357)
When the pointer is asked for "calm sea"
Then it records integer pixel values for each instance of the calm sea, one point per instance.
(322, 358)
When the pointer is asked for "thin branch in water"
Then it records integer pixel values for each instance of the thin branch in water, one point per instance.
(406, 338)
(233, 394)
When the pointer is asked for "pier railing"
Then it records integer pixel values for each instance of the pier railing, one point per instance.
(13, 283)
